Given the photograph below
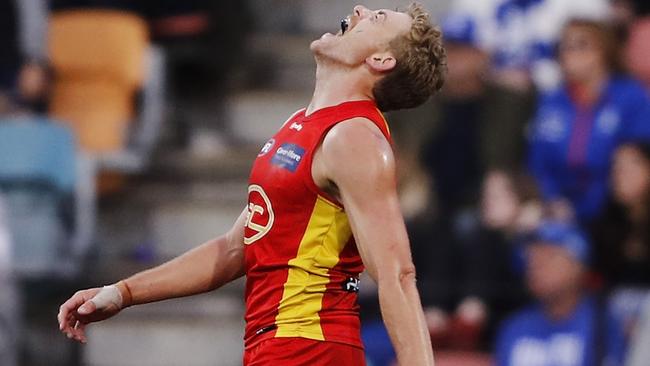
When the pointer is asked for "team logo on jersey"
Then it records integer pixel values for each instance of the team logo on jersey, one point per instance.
(267, 147)
(260, 217)
(288, 156)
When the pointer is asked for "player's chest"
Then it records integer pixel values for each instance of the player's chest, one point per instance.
(286, 157)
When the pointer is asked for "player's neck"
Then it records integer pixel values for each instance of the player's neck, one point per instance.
(335, 85)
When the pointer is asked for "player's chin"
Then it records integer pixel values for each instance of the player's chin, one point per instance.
(314, 45)
(326, 41)
(317, 46)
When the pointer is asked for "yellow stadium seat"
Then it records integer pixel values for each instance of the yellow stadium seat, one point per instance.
(98, 58)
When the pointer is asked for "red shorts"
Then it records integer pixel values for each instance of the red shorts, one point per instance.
(302, 352)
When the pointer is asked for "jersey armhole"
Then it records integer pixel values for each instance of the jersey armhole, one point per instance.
(309, 178)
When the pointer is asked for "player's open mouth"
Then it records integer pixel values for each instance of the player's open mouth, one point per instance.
(345, 24)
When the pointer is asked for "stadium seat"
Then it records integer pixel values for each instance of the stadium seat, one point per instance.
(637, 54)
(48, 189)
(102, 60)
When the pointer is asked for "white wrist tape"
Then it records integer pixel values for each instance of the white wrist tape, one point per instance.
(108, 295)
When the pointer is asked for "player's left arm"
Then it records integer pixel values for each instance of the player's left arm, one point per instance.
(358, 160)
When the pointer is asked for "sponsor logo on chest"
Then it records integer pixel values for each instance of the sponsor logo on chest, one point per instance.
(288, 156)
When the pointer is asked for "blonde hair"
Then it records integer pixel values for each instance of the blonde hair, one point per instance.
(421, 65)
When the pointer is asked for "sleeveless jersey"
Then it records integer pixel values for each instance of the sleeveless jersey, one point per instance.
(302, 264)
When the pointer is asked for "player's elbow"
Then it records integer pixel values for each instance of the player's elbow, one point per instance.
(403, 275)
(407, 275)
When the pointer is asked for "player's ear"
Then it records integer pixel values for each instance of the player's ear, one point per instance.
(381, 62)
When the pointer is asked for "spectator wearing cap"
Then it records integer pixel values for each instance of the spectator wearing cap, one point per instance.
(578, 127)
(565, 326)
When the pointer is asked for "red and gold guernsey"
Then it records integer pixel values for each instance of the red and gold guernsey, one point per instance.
(302, 264)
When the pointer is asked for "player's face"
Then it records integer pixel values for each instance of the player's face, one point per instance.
(366, 32)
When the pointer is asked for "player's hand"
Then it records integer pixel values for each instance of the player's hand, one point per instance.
(88, 306)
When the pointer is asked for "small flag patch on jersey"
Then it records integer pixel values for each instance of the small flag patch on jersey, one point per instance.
(288, 156)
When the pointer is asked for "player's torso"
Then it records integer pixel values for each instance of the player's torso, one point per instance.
(302, 264)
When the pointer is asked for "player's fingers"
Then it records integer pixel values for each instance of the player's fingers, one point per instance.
(69, 306)
(68, 324)
(67, 321)
(73, 302)
(76, 332)
(61, 319)
(72, 331)
(62, 316)
(80, 332)
(64, 321)
(71, 322)
(69, 332)
(87, 308)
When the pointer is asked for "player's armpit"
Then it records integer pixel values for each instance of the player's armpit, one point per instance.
(235, 244)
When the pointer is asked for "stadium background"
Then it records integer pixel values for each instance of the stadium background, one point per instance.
(127, 129)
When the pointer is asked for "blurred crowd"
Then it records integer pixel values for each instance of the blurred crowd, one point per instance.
(83, 88)
(534, 246)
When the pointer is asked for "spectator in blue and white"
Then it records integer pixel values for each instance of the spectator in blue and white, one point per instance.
(565, 326)
(520, 35)
(578, 126)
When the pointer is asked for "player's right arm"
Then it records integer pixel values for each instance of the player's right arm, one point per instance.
(202, 269)
(358, 160)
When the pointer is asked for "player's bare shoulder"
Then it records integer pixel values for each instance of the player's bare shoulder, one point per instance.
(356, 149)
